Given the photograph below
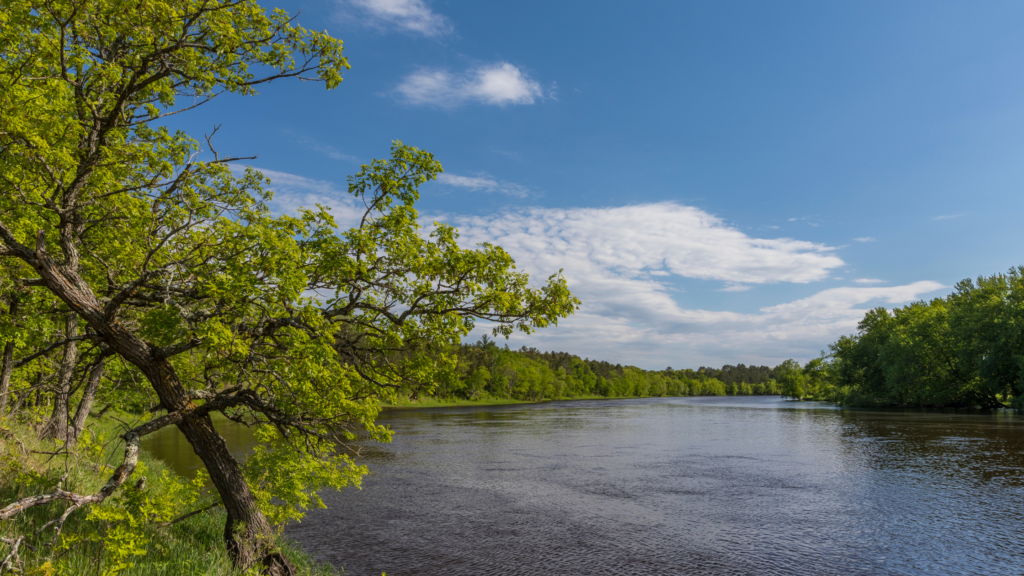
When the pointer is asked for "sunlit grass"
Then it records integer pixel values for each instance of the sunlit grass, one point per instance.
(191, 546)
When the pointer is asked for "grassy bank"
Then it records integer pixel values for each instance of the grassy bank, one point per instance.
(131, 533)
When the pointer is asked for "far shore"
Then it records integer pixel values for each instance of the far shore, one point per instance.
(430, 402)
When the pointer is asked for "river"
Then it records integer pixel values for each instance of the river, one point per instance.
(709, 486)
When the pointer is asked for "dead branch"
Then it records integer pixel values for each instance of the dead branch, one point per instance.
(12, 563)
(131, 459)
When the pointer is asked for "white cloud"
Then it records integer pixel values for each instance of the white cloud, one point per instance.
(733, 287)
(484, 183)
(617, 260)
(869, 281)
(683, 240)
(498, 84)
(407, 15)
(666, 334)
(864, 239)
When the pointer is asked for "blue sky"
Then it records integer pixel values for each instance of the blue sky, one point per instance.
(722, 182)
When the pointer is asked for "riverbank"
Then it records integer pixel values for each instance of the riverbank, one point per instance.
(140, 530)
(431, 402)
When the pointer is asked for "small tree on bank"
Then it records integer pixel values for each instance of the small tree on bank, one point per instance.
(170, 263)
(791, 379)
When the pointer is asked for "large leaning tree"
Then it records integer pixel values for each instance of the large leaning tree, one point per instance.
(167, 261)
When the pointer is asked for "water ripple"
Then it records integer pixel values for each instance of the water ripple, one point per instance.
(743, 486)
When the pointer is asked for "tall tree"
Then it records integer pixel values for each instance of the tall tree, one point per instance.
(177, 267)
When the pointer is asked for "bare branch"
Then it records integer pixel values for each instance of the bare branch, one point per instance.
(131, 459)
(50, 348)
(12, 562)
(189, 515)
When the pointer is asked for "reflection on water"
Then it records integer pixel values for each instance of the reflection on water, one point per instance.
(682, 486)
(170, 445)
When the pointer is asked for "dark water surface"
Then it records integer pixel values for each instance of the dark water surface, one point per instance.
(717, 486)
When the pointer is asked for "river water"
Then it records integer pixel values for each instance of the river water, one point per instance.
(715, 486)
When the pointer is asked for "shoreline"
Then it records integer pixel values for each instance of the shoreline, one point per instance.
(462, 403)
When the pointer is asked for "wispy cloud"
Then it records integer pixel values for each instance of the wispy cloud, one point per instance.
(498, 84)
(809, 220)
(947, 216)
(869, 281)
(413, 16)
(326, 149)
(864, 239)
(484, 184)
(733, 287)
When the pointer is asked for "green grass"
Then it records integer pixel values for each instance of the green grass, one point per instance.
(192, 546)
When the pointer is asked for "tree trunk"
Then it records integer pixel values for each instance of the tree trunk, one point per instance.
(58, 427)
(5, 375)
(247, 534)
(8, 360)
(88, 396)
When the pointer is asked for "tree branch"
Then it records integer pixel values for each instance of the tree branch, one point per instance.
(175, 349)
(50, 348)
(189, 515)
(117, 479)
(12, 562)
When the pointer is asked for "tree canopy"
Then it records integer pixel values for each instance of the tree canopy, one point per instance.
(118, 232)
(964, 350)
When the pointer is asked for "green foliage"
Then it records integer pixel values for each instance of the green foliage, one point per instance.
(286, 483)
(791, 379)
(966, 349)
(121, 534)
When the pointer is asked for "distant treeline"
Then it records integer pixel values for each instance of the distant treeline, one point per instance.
(488, 371)
(963, 350)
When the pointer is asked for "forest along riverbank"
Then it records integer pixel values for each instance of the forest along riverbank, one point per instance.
(734, 485)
